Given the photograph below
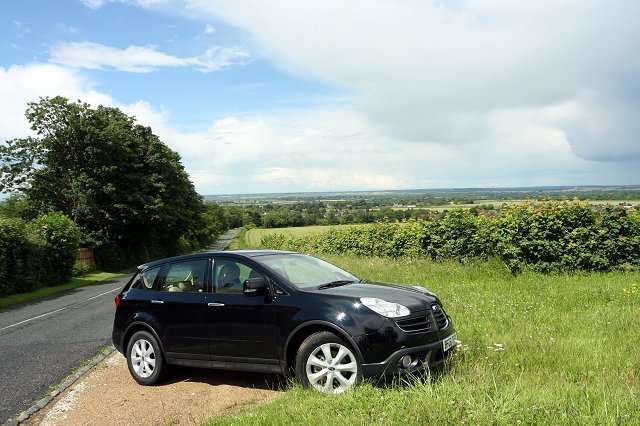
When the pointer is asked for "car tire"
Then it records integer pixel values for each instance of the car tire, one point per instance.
(327, 364)
(144, 358)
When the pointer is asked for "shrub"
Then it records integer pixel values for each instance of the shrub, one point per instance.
(81, 268)
(13, 254)
(546, 237)
(60, 237)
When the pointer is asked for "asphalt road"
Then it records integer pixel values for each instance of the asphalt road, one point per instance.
(224, 240)
(43, 341)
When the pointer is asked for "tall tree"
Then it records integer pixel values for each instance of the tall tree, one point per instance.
(118, 182)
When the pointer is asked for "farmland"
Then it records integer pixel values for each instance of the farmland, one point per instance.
(340, 208)
(253, 236)
(534, 349)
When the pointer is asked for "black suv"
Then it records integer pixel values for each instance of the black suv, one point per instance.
(275, 311)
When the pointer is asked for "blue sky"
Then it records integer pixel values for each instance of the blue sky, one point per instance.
(279, 96)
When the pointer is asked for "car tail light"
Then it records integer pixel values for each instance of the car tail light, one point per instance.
(117, 301)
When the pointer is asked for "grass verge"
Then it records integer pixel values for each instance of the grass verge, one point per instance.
(75, 282)
(534, 349)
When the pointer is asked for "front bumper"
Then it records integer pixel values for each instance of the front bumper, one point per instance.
(423, 357)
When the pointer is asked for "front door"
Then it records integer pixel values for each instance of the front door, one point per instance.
(240, 326)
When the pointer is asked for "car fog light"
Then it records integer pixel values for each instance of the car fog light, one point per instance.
(405, 361)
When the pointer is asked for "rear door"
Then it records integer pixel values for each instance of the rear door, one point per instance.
(181, 311)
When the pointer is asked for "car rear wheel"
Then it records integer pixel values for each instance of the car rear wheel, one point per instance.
(327, 364)
(144, 358)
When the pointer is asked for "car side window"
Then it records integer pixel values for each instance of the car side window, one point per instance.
(185, 276)
(146, 279)
(229, 276)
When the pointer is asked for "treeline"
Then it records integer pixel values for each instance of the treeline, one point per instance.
(125, 192)
(421, 198)
(546, 237)
(272, 215)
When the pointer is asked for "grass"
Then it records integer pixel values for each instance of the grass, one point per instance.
(534, 349)
(75, 282)
(253, 237)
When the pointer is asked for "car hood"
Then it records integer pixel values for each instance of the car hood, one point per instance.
(414, 298)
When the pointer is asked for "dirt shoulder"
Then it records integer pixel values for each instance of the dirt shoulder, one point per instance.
(108, 395)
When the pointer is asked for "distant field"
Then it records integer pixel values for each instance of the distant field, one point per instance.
(498, 203)
(253, 237)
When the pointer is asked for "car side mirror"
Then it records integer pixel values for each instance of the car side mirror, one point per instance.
(254, 287)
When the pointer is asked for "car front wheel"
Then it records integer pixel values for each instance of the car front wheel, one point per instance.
(327, 364)
(144, 358)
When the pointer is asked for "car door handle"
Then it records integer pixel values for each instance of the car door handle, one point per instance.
(215, 304)
(157, 302)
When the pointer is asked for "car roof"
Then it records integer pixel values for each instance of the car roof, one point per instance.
(232, 253)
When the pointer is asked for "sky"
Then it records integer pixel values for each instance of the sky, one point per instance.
(262, 96)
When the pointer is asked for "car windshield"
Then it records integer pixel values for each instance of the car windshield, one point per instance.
(304, 271)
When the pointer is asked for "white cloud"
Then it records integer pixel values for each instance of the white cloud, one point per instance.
(341, 150)
(328, 149)
(435, 71)
(93, 4)
(20, 85)
(209, 29)
(141, 59)
(445, 94)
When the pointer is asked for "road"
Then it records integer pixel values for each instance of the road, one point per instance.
(43, 341)
(224, 240)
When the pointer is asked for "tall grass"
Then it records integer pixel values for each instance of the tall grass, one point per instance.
(534, 349)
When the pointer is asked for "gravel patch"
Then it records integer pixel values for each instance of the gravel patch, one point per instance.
(108, 395)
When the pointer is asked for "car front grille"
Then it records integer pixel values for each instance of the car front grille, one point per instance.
(421, 323)
(435, 319)
(439, 316)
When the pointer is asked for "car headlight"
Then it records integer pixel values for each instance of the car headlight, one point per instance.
(384, 308)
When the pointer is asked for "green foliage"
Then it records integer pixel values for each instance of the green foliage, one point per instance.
(565, 236)
(460, 235)
(81, 268)
(36, 254)
(547, 237)
(16, 206)
(125, 189)
(15, 254)
(59, 236)
(215, 223)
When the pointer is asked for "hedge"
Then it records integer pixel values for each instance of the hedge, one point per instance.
(36, 254)
(546, 237)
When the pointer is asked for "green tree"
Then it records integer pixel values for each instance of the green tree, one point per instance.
(16, 206)
(126, 190)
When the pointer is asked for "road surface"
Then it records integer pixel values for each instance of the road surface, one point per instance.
(224, 240)
(43, 341)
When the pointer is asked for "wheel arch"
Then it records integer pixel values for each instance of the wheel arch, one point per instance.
(300, 333)
(133, 329)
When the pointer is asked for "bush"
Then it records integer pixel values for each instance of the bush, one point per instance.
(36, 254)
(81, 268)
(60, 236)
(14, 254)
(546, 237)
